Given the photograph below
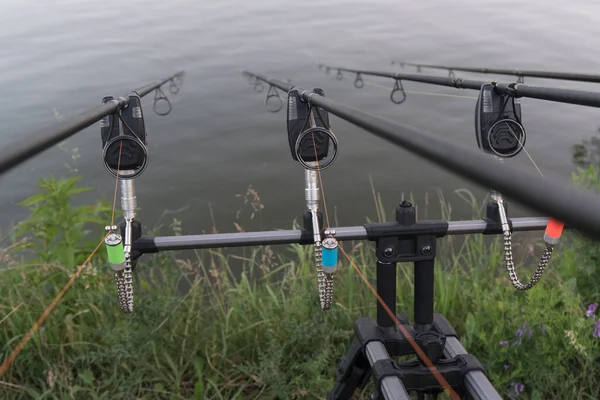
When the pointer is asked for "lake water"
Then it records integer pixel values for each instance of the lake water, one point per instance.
(60, 58)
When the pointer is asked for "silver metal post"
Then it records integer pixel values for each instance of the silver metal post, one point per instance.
(128, 205)
(391, 387)
(477, 384)
(312, 196)
(124, 277)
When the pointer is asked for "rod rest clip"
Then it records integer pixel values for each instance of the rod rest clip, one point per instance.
(382, 369)
(492, 219)
(136, 235)
(307, 234)
(513, 90)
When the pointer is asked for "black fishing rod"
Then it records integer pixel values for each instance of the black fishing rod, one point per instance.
(519, 73)
(515, 90)
(34, 143)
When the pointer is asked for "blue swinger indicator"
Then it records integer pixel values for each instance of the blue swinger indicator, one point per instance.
(330, 255)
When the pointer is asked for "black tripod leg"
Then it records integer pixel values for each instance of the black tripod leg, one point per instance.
(353, 372)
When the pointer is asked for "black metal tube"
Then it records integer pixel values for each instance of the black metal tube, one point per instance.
(563, 76)
(573, 206)
(144, 90)
(21, 150)
(286, 87)
(568, 96)
(386, 288)
(33, 144)
(424, 295)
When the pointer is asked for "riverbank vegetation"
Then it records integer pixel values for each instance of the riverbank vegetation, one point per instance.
(231, 326)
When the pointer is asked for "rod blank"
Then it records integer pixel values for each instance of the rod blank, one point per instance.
(568, 96)
(563, 76)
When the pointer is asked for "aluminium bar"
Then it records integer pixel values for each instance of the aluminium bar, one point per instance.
(477, 384)
(240, 239)
(568, 96)
(391, 387)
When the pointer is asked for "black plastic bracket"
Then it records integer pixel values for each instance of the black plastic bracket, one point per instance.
(354, 370)
(492, 219)
(382, 369)
(136, 234)
(307, 235)
(406, 240)
(418, 378)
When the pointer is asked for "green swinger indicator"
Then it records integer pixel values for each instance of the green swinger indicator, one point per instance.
(115, 251)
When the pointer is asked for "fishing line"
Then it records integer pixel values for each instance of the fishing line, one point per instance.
(13, 355)
(525, 150)
(441, 380)
(17, 350)
(112, 219)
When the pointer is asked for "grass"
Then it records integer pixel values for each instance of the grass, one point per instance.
(259, 333)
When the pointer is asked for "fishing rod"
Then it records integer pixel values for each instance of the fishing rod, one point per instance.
(514, 90)
(33, 144)
(520, 74)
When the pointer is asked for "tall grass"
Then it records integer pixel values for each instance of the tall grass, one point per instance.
(259, 333)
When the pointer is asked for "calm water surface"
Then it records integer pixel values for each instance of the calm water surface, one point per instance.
(61, 57)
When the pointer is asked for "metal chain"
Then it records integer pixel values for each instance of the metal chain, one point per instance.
(124, 281)
(325, 281)
(510, 265)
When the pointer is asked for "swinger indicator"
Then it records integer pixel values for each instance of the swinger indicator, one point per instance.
(115, 251)
(330, 255)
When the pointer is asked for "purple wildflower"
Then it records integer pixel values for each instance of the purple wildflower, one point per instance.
(506, 366)
(517, 389)
(591, 311)
(597, 329)
(522, 331)
(542, 329)
(504, 343)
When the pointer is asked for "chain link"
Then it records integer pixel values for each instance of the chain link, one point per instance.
(124, 281)
(325, 281)
(510, 265)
